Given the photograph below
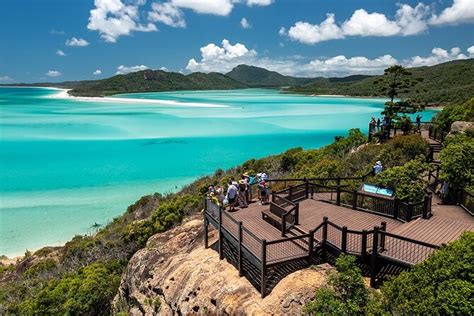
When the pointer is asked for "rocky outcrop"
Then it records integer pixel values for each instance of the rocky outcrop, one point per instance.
(460, 127)
(174, 274)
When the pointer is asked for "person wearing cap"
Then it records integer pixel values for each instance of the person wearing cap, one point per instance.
(377, 168)
(241, 195)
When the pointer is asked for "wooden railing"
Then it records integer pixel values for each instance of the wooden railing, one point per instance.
(436, 133)
(368, 245)
(370, 203)
(466, 201)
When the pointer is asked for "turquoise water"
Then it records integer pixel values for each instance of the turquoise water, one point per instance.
(66, 164)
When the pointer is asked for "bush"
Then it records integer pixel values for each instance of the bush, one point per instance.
(457, 162)
(450, 114)
(89, 291)
(441, 285)
(346, 294)
(406, 181)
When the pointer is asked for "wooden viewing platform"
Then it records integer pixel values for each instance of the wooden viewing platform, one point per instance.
(312, 223)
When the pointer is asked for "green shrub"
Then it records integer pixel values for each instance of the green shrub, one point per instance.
(407, 180)
(88, 291)
(453, 113)
(346, 294)
(441, 285)
(457, 162)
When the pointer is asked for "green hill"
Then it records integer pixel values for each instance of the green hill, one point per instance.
(447, 83)
(154, 80)
(260, 77)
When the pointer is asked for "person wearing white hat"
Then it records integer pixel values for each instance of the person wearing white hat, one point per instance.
(377, 168)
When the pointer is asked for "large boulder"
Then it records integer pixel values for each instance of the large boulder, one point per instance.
(460, 127)
(174, 274)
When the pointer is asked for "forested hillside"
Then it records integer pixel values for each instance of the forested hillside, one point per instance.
(447, 83)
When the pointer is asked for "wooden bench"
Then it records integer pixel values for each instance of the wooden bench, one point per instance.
(274, 219)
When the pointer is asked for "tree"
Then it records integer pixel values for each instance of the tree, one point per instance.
(346, 294)
(395, 82)
(457, 163)
(407, 180)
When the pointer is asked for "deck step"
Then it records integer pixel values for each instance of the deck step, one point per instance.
(299, 230)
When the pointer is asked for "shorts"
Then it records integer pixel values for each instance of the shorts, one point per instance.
(232, 200)
(263, 192)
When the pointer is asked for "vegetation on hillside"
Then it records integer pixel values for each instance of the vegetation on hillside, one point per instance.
(448, 83)
(260, 77)
(156, 80)
(453, 113)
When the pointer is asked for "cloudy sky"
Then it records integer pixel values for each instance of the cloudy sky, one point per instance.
(57, 40)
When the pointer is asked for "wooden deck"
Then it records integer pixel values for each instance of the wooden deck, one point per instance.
(437, 231)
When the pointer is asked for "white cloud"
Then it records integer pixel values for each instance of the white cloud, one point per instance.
(164, 68)
(245, 24)
(310, 34)
(259, 2)
(439, 55)
(113, 18)
(407, 21)
(167, 14)
(225, 57)
(122, 70)
(341, 65)
(462, 11)
(363, 23)
(97, 72)
(470, 50)
(221, 58)
(53, 73)
(216, 7)
(60, 53)
(5, 79)
(77, 42)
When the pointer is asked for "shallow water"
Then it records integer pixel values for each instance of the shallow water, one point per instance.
(66, 164)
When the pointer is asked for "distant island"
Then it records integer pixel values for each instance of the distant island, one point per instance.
(442, 84)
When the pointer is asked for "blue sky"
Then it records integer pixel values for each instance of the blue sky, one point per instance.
(57, 40)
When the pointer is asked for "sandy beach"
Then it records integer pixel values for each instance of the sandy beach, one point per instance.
(63, 94)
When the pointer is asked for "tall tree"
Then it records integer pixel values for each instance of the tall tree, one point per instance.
(396, 82)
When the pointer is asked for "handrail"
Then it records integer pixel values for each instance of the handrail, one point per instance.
(418, 242)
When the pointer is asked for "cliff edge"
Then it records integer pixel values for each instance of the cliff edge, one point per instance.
(174, 274)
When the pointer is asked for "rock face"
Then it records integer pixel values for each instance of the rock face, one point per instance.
(174, 274)
(461, 127)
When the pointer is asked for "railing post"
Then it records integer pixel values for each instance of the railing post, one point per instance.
(373, 259)
(344, 240)
(338, 196)
(383, 228)
(310, 245)
(426, 202)
(206, 232)
(221, 253)
(290, 193)
(354, 200)
(325, 230)
(263, 275)
(297, 214)
(283, 225)
(364, 245)
(396, 208)
(240, 249)
(409, 214)
(306, 188)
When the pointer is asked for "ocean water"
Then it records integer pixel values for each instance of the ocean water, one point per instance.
(66, 164)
